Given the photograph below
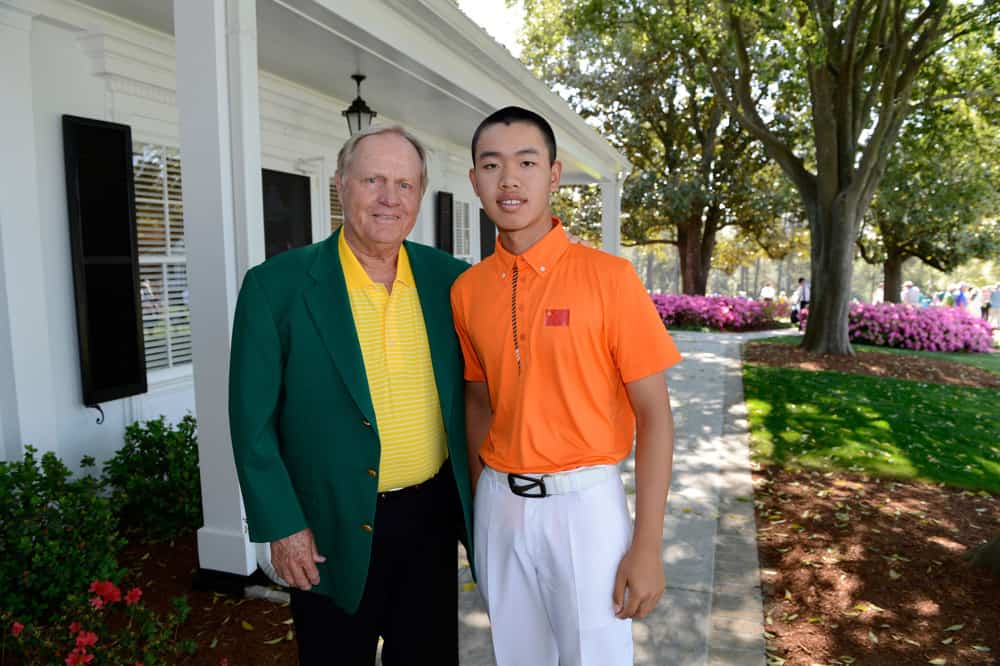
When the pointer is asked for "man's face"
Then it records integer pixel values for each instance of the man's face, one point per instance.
(380, 189)
(512, 176)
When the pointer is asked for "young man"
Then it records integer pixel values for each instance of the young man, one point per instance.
(564, 357)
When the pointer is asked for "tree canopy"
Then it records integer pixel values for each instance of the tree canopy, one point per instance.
(632, 69)
(825, 87)
(939, 200)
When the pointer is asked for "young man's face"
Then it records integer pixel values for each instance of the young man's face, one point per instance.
(512, 176)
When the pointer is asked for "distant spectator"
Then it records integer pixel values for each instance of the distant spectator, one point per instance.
(961, 298)
(878, 294)
(800, 299)
(910, 294)
(975, 298)
(985, 301)
(995, 305)
(767, 293)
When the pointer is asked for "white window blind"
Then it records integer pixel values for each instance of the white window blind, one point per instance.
(462, 231)
(336, 210)
(166, 321)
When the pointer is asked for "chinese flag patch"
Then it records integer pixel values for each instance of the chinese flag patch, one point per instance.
(557, 317)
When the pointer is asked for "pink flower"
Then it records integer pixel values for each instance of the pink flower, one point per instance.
(74, 629)
(85, 639)
(97, 602)
(79, 656)
(223, 662)
(133, 596)
(16, 629)
(108, 591)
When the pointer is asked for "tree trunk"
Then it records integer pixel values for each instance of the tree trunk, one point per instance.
(892, 284)
(986, 556)
(756, 278)
(649, 271)
(694, 251)
(781, 276)
(833, 230)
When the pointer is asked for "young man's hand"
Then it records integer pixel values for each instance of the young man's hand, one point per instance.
(639, 583)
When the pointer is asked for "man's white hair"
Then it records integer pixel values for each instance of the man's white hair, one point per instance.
(347, 151)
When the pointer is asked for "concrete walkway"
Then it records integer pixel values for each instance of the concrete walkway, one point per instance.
(711, 612)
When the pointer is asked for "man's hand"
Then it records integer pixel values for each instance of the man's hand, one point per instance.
(641, 573)
(294, 559)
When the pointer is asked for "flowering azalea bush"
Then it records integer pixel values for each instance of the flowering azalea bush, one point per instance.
(721, 313)
(104, 626)
(941, 329)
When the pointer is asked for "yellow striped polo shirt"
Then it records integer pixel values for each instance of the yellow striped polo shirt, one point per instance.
(397, 360)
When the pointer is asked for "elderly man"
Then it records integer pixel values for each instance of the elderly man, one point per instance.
(348, 424)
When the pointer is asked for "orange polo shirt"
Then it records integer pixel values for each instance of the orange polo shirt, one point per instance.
(585, 328)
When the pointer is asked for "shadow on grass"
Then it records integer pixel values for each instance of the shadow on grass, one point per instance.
(887, 427)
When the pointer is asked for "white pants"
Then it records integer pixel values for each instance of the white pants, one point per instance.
(547, 571)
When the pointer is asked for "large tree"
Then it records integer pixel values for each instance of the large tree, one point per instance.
(825, 86)
(633, 70)
(939, 199)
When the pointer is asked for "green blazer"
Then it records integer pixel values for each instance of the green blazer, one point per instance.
(303, 428)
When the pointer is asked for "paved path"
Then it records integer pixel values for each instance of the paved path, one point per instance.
(711, 612)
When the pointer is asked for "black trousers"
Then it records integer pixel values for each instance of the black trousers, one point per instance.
(411, 594)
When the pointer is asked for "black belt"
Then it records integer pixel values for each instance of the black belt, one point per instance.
(415, 489)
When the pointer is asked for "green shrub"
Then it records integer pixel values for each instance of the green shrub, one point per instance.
(154, 479)
(56, 534)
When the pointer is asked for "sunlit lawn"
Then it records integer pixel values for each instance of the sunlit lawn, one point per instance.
(989, 362)
(886, 427)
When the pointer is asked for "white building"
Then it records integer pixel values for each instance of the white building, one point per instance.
(219, 90)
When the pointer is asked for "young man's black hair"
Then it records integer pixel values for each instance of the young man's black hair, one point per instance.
(515, 114)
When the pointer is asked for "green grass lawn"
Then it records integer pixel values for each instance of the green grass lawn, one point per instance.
(989, 361)
(885, 427)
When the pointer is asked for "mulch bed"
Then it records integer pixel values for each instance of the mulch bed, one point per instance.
(901, 366)
(242, 631)
(857, 570)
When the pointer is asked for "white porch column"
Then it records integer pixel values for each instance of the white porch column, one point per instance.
(611, 209)
(25, 355)
(223, 225)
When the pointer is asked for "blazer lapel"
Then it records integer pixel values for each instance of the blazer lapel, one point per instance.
(330, 309)
(435, 302)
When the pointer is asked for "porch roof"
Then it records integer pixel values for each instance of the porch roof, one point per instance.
(429, 67)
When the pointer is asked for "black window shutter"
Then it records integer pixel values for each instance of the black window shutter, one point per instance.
(101, 206)
(444, 227)
(287, 211)
(487, 235)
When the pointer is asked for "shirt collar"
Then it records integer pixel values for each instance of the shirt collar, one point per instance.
(357, 278)
(541, 256)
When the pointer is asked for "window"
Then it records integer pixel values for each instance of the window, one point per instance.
(336, 210)
(463, 232)
(166, 320)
